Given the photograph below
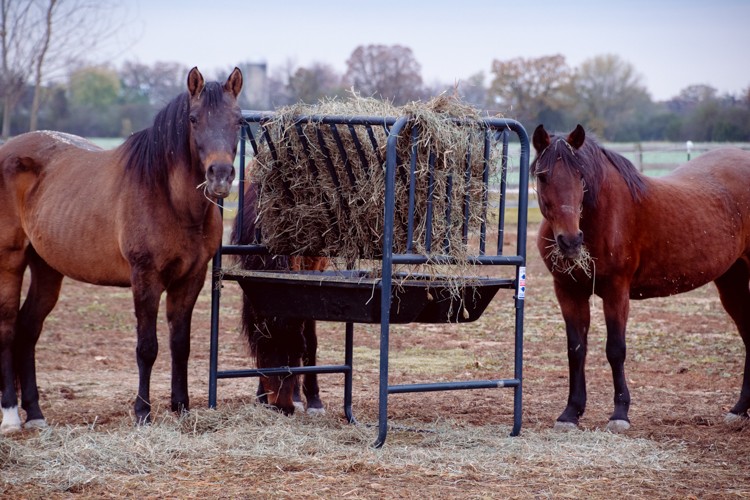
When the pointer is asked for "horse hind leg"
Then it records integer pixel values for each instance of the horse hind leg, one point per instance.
(41, 298)
(735, 297)
(311, 389)
(12, 266)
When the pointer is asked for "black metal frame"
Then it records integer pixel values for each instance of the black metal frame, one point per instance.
(495, 129)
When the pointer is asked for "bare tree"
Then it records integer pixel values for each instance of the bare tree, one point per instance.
(314, 83)
(42, 37)
(530, 90)
(390, 72)
(608, 90)
(15, 20)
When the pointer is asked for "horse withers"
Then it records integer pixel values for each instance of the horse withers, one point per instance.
(276, 341)
(611, 231)
(142, 215)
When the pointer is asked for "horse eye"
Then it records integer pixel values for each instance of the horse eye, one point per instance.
(193, 119)
(541, 178)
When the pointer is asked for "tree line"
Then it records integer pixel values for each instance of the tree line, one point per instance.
(46, 83)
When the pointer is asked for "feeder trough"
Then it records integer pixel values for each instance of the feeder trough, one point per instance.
(356, 296)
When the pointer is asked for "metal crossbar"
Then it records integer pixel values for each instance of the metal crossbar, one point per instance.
(496, 134)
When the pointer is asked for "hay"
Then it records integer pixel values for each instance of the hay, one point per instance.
(254, 445)
(311, 204)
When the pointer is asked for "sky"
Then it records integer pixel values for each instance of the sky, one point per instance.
(671, 44)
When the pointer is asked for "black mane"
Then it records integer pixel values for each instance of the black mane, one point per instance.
(588, 160)
(150, 153)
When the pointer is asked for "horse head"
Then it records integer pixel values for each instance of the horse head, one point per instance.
(560, 186)
(215, 121)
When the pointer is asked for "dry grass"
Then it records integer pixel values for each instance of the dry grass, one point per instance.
(126, 459)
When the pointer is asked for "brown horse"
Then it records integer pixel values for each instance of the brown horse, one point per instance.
(611, 231)
(140, 216)
(277, 342)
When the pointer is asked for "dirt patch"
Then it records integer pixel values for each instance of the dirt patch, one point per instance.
(684, 368)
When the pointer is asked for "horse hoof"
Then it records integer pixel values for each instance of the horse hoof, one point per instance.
(11, 421)
(316, 411)
(734, 418)
(37, 423)
(299, 406)
(565, 426)
(618, 426)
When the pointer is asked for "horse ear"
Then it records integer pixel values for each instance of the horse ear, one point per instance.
(234, 82)
(540, 139)
(577, 137)
(195, 82)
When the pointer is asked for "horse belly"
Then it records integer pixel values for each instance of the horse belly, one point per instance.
(87, 253)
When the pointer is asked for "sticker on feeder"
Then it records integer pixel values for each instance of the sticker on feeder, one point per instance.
(521, 282)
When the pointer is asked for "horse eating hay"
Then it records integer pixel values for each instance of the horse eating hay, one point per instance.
(646, 238)
(276, 341)
(140, 215)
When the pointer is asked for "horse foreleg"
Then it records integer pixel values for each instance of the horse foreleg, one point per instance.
(311, 389)
(180, 303)
(577, 315)
(41, 298)
(735, 297)
(146, 300)
(12, 264)
(616, 309)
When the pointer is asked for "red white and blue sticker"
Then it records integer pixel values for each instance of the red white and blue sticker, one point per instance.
(521, 292)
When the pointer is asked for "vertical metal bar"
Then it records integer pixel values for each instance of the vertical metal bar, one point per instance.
(523, 192)
(385, 282)
(467, 193)
(374, 142)
(485, 191)
(348, 375)
(430, 198)
(213, 351)
(240, 217)
(344, 155)
(448, 205)
(503, 189)
(360, 150)
(412, 189)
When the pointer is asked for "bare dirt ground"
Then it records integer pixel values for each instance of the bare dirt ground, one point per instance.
(684, 368)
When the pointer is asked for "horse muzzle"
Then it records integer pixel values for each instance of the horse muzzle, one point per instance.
(219, 178)
(570, 244)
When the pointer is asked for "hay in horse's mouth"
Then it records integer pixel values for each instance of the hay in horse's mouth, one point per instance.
(562, 264)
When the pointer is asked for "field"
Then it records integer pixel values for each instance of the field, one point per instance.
(684, 369)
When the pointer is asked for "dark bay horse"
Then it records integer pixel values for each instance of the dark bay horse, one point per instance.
(274, 341)
(139, 216)
(610, 231)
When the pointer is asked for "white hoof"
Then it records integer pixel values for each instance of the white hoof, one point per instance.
(316, 411)
(618, 426)
(733, 418)
(298, 406)
(565, 426)
(11, 421)
(37, 423)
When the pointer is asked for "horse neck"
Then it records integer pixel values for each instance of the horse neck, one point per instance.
(614, 201)
(186, 193)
